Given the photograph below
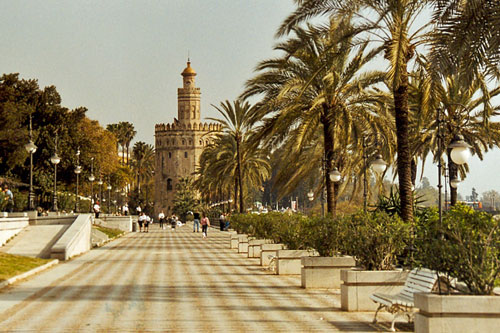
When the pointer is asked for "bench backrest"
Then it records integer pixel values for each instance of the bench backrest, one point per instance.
(420, 280)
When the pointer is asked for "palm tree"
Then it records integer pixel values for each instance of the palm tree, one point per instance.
(119, 130)
(317, 83)
(238, 119)
(389, 23)
(144, 156)
(128, 135)
(218, 169)
(467, 37)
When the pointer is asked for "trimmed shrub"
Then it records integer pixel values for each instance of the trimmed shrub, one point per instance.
(322, 234)
(375, 239)
(466, 246)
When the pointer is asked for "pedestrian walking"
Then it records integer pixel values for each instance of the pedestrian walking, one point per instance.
(173, 222)
(161, 218)
(141, 220)
(125, 209)
(97, 209)
(138, 209)
(205, 223)
(10, 199)
(196, 222)
(147, 222)
(222, 221)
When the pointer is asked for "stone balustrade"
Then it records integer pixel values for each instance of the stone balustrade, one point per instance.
(75, 240)
(11, 226)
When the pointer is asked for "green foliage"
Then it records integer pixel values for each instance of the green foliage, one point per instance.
(375, 239)
(185, 198)
(391, 204)
(110, 232)
(12, 265)
(324, 234)
(466, 246)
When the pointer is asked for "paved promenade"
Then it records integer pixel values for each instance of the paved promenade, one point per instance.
(177, 282)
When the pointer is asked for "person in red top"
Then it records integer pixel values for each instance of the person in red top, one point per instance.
(205, 223)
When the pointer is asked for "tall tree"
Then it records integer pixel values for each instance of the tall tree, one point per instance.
(388, 22)
(144, 162)
(128, 135)
(318, 82)
(238, 119)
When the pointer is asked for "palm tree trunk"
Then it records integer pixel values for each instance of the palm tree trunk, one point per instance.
(128, 160)
(403, 147)
(235, 192)
(238, 166)
(328, 134)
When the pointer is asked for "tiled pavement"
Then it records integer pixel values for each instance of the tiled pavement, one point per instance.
(177, 282)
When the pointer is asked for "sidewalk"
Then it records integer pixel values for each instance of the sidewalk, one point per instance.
(175, 281)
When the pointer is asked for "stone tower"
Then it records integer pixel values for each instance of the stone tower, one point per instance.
(178, 145)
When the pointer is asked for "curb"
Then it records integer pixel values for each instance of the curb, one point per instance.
(28, 273)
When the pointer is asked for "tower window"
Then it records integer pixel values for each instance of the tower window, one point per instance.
(185, 154)
(169, 184)
(169, 155)
(201, 143)
(183, 142)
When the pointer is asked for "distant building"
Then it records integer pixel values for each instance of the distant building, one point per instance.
(179, 145)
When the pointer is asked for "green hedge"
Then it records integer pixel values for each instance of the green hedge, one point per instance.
(375, 239)
(465, 246)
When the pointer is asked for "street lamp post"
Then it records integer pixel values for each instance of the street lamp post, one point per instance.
(116, 200)
(109, 196)
(55, 159)
(78, 170)
(91, 179)
(365, 181)
(460, 153)
(100, 188)
(31, 149)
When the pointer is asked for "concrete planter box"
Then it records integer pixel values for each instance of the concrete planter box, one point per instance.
(254, 247)
(357, 287)
(457, 313)
(243, 244)
(288, 262)
(269, 249)
(324, 272)
(234, 241)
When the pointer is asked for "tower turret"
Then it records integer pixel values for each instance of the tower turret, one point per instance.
(188, 98)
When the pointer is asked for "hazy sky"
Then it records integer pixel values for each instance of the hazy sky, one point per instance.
(122, 59)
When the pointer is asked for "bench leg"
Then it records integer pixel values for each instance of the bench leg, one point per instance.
(376, 312)
(396, 315)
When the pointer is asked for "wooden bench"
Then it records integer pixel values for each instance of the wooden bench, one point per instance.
(420, 280)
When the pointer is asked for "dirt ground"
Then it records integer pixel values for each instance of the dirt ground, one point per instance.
(173, 281)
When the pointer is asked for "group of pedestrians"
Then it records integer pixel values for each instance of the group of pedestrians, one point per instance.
(173, 221)
(144, 221)
(204, 221)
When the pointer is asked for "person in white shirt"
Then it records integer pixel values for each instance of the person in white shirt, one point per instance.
(125, 209)
(161, 217)
(97, 209)
(142, 219)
